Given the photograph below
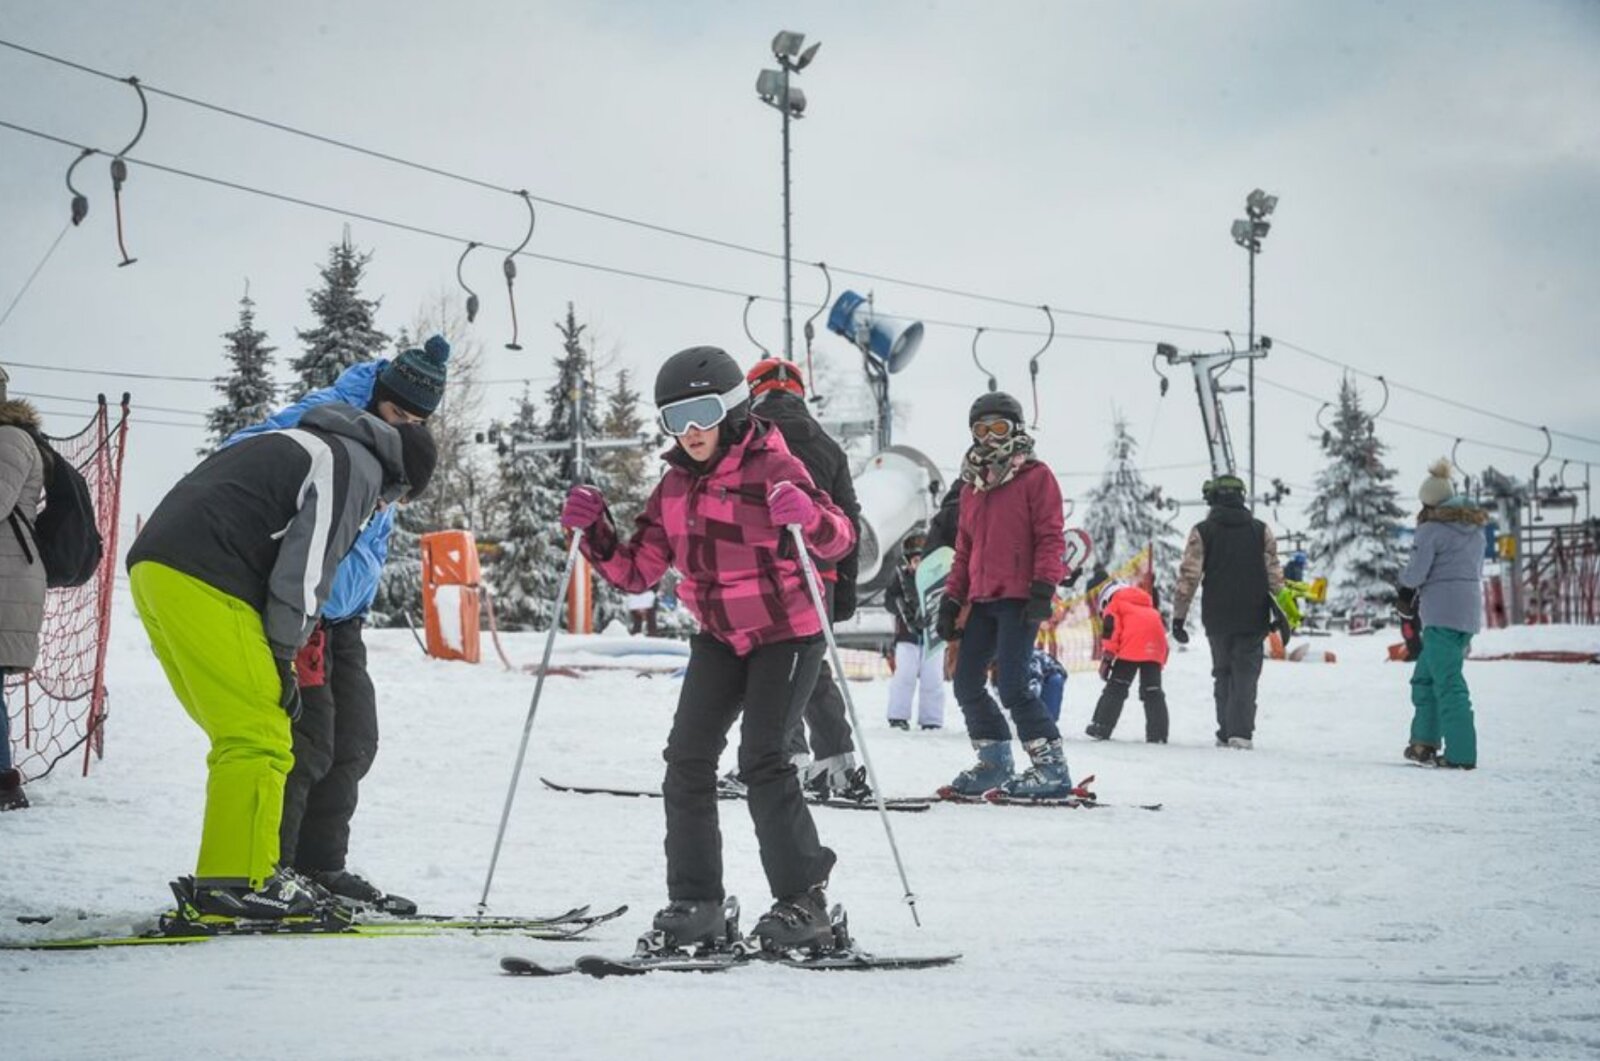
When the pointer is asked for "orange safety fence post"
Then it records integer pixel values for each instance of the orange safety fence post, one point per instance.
(450, 605)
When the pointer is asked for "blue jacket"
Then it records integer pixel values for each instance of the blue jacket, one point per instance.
(356, 583)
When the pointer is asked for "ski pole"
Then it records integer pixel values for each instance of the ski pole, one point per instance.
(533, 707)
(815, 588)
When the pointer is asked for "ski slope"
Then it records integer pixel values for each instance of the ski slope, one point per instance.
(1313, 898)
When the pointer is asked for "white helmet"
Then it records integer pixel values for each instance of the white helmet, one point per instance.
(1109, 590)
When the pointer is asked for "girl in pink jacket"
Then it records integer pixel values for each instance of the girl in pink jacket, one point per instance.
(720, 516)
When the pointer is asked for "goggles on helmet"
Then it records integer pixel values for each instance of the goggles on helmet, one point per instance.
(703, 411)
(997, 427)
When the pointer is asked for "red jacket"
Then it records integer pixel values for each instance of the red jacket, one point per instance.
(1008, 537)
(741, 579)
(1136, 631)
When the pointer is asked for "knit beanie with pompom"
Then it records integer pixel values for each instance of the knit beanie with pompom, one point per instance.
(1437, 488)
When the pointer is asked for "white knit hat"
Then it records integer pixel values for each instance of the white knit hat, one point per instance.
(1437, 487)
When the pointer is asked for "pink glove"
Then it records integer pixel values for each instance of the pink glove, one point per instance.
(585, 505)
(787, 503)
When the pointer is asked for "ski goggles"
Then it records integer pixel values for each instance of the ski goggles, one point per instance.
(703, 411)
(997, 427)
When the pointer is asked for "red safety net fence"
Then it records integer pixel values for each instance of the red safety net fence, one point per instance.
(60, 705)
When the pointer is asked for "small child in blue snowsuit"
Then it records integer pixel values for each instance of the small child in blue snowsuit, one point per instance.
(1047, 679)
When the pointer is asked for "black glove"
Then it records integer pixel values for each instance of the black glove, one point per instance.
(1040, 597)
(288, 689)
(945, 625)
(1108, 626)
(1179, 634)
(1405, 603)
(1072, 579)
(1106, 663)
(1411, 633)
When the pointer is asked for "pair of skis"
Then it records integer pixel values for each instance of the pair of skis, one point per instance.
(655, 953)
(1080, 798)
(182, 926)
(905, 804)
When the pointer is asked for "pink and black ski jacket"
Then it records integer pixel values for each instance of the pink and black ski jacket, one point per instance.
(741, 579)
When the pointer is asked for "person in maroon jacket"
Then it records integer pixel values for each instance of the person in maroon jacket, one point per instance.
(1008, 559)
(720, 515)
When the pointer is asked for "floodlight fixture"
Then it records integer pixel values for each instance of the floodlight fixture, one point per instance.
(806, 57)
(769, 86)
(1241, 232)
(1260, 204)
(1166, 350)
(787, 44)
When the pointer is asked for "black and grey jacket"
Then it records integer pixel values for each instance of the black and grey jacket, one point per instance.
(829, 466)
(268, 519)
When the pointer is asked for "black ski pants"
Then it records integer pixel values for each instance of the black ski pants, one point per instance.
(335, 742)
(1235, 671)
(772, 684)
(1115, 694)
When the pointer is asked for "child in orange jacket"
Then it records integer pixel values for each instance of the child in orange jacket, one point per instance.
(1135, 642)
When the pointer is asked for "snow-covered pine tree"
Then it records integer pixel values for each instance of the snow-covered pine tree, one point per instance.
(248, 393)
(626, 475)
(1123, 516)
(527, 509)
(458, 492)
(345, 333)
(1354, 518)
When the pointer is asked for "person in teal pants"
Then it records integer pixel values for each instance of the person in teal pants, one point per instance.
(1442, 586)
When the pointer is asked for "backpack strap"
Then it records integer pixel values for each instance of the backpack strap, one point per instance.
(18, 521)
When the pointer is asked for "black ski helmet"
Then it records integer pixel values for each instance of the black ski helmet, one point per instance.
(701, 370)
(993, 404)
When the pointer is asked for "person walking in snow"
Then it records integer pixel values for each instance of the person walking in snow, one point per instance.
(720, 515)
(1008, 558)
(24, 469)
(230, 575)
(918, 673)
(1442, 586)
(777, 395)
(336, 736)
(1134, 642)
(1234, 558)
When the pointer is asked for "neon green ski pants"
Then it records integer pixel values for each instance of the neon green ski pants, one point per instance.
(214, 651)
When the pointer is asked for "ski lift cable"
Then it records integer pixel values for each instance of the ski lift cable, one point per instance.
(588, 211)
(1431, 394)
(23, 290)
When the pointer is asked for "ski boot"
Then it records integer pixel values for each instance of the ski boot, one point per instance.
(1047, 778)
(1421, 753)
(818, 789)
(899, 723)
(1445, 764)
(282, 895)
(1240, 743)
(855, 786)
(797, 923)
(992, 770)
(1095, 731)
(691, 925)
(11, 795)
(356, 892)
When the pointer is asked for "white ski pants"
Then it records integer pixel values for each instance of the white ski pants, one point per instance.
(916, 670)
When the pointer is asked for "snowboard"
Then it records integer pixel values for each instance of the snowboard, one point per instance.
(931, 573)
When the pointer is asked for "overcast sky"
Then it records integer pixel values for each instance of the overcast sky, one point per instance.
(1438, 166)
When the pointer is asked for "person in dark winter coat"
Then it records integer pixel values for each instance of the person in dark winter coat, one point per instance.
(1134, 643)
(777, 395)
(918, 672)
(1234, 558)
(720, 515)
(1442, 586)
(1010, 539)
(336, 736)
(23, 471)
(230, 575)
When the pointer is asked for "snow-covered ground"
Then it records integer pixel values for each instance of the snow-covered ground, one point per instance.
(1314, 898)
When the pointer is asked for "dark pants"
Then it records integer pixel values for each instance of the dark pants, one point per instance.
(1115, 694)
(643, 619)
(996, 631)
(1235, 670)
(772, 683)
(335, 742)
(825, 717)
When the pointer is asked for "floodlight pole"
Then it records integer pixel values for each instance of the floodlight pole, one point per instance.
(788, 274)
(1255, 245)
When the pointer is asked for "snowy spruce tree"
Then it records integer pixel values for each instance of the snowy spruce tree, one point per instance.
(527, 509)
(1123, 515)
(248, 393)
(1354, 518)
(345, 333)
(459, 491)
